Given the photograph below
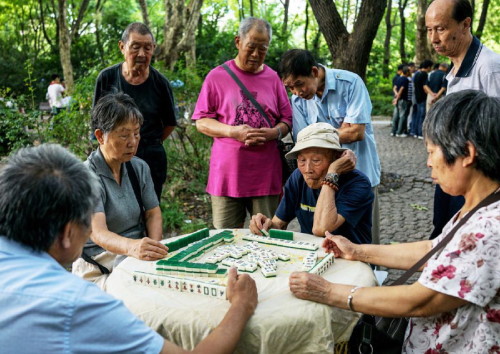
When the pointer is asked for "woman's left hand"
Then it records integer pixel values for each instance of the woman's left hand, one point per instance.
(147, 249)
(311, 287)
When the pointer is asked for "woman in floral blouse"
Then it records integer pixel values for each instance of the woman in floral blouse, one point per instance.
(455, 304)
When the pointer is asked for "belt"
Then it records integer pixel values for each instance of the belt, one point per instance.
(151, 141)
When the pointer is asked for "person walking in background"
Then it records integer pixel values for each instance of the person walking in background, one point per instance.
(151, 92)
(55, 95)
(245, 167)
(474, 66)
(339, 98)
(437, 84)
(421, 91)
(402, 101)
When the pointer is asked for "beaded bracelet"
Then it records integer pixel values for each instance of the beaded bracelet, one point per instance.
(331, 185)
(349, 298)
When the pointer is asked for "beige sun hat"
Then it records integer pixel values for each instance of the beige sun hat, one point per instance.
(317, 135)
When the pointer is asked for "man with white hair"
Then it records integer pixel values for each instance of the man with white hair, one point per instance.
(325, 192)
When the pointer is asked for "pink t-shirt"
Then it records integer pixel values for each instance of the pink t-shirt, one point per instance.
(237, 170)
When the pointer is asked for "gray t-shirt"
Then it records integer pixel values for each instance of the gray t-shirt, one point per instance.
(118, 202)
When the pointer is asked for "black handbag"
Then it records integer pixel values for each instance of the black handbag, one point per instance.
(385, 335)
(288, 166)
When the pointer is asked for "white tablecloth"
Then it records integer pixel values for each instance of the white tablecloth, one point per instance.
(281, 323)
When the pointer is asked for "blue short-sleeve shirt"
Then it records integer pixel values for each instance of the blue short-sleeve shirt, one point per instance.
(46, 309)
(345, 99)
(353, 201)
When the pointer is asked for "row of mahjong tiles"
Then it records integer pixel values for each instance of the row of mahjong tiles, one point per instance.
(181, 264)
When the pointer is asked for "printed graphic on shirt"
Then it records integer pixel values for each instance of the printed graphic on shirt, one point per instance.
(306, 207)
(246, 113)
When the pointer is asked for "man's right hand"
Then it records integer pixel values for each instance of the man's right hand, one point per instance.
(242, 291)
(240, 132)
(259, 222)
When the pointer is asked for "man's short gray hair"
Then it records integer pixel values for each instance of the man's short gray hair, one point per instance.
(136, 27)
(259, 24)
(43, 189)
(464, 117)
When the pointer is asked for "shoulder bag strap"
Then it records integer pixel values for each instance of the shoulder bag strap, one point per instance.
(247, 93)
(137, 191)
(90, 260)
(486, 201)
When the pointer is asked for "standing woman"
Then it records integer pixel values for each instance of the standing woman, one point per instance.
(119, 226)
(455, 304)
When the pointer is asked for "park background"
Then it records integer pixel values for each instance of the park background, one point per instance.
(79, 38)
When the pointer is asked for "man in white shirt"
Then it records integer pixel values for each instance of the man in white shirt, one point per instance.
(54, 94)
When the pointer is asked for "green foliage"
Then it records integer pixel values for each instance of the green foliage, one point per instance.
(381, 95)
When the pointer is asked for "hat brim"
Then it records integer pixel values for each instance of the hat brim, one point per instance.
(312, 143)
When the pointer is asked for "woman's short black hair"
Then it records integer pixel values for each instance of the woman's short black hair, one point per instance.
(464, 117)
(113, 110)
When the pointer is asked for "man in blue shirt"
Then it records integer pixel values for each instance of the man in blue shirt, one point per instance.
(46, 205)
(339, 98)
(325, 192)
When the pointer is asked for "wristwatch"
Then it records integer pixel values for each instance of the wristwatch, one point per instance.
(332, 178)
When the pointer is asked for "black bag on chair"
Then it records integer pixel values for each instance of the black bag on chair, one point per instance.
(385, 335)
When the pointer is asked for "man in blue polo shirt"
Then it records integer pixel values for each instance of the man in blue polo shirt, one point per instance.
(46, 205)
(339, 98)
(474, 66)
(325, 192)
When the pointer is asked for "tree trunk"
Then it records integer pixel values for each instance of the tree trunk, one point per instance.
(181, 20)
(387, 40)
(482, 19)
(402, 38)
(422, 47)
(350, 51)
(65, 46)
(306, 26)
(251, 7)
(284, 28)
(144, 12)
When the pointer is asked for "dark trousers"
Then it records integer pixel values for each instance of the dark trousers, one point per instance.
(153, 152)
(445, 206)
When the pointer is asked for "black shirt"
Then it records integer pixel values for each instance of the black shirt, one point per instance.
(437, 80)
(419, 80)
(153, 97)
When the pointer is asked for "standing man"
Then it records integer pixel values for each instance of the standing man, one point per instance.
(403, 103)
(245, 166)
(151, 92)
(437, 84)
(54, 94)
(337, 97)
(421, 91)
(474, 66)
(46, 205)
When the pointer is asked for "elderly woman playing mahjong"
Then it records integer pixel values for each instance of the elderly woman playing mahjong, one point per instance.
(455, 304)
(119, 224)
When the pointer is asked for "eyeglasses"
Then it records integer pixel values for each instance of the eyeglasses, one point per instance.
(136, 47)
(262, 48)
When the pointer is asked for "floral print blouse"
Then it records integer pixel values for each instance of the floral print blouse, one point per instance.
(469, 268)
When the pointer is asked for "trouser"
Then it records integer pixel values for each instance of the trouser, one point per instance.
(91, 272)
(375, 217)
(419, 118)
(399, 120)
(445, 206)
(230, 213)
(153, 153)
